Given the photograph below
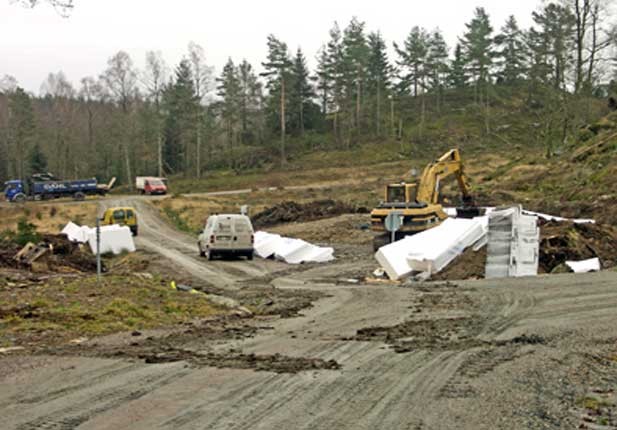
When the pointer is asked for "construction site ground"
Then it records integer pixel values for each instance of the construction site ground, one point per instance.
(275, 346)
(323, 348)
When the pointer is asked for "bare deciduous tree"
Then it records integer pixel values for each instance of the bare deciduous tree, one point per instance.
(154, 77)
(202, 77)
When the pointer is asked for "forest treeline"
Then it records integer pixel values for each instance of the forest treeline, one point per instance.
(186, 120)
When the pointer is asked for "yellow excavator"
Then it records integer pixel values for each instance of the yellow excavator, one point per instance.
(418, 203)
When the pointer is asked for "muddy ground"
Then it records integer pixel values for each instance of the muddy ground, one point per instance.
(321, 351)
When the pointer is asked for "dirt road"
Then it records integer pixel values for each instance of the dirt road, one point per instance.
(477, 355)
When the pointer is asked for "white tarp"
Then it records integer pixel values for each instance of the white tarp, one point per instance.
(431, 250)
(114, 238)
(558, 218)
(291, 251)
(266, 244)
(586, 266)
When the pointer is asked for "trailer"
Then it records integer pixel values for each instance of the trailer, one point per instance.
(46, 187)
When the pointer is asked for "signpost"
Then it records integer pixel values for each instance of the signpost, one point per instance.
(393, 223)
(98, 250)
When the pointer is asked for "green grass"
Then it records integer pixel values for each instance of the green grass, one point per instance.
(82, 308)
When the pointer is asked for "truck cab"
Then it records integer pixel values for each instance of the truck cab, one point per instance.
(14, 191)
(154, 186)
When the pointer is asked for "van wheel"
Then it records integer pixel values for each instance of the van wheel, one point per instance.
(249, 256)
(79, 196)
(209, 255)
(201, 252)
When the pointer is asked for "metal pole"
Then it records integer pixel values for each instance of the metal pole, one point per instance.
(98, 250)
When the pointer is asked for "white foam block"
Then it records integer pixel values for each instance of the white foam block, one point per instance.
(585, 266)
(76, 233)
(431, 250)
(114, 239)
(289, 250)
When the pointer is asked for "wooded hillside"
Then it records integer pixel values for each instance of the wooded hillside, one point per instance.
(509, 85)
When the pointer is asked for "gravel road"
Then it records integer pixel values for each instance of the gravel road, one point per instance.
(477, 355)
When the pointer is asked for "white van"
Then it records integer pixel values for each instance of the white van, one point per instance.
(227, 235)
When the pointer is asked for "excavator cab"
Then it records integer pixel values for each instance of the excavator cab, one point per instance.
(401, 193)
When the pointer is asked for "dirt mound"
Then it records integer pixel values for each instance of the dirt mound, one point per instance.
(469, 265)
(561, 242)
(291, 211)
(64, 256)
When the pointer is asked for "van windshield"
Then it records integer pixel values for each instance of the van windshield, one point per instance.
(119, 214)
(155, 182)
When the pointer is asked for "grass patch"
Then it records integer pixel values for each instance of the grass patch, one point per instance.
(177, 221)
(61, 310)
(592, 403)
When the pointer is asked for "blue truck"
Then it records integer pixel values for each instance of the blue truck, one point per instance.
(45, 187)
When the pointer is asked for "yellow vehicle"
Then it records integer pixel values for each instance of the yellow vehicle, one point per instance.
(418, 203)
(121, 216)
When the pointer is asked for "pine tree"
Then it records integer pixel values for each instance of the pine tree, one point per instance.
(478, 46)
(301, 93)
(437, 64)
(355, 58)
(379, 75)
(229, 91)
(250, 101)
(21, 129)
(181, 105)
(37, 160)
(412, 60)
(512, 53)
(457, 77)
(278, 73)
(552, 41)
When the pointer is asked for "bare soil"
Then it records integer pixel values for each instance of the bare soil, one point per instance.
(290, 211)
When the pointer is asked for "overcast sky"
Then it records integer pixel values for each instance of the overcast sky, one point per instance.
(34, 42)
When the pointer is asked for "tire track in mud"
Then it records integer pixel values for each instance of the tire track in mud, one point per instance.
(103, 398)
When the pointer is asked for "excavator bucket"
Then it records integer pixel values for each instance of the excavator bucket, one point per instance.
(469, 212)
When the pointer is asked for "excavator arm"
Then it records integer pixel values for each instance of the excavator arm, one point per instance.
(449, 164)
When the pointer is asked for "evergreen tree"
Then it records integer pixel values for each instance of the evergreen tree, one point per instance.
(21, 129)
(379, 75)
(181, 105)
(37, 160)
(512, 53)
(278, 74)
(301, 93)
(250, 101)
(478, 46)
(229, 91)
(437, 61)
(412, 60)
(457, 76)
(552, 41)
(355, 58)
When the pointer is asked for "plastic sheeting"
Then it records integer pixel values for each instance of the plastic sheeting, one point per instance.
(558, 218)
(513, 244)
(291, 251)
(114, 238)
(585, 266)
(432, 250)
